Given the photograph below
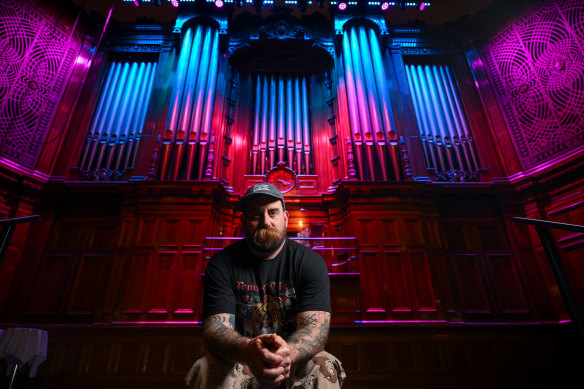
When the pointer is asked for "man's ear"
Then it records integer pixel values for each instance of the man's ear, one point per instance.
(286, 215)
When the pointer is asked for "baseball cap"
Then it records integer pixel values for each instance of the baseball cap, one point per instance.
(258, 190)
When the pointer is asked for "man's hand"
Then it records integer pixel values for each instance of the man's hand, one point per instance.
(269, 360)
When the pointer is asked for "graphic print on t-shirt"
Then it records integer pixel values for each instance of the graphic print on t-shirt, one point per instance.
(265, 311)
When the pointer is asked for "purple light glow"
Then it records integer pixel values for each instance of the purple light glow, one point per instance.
(342, 6)
(174, 3)
(137, 3)
(422, 6)
(384, 6)
(219, 3)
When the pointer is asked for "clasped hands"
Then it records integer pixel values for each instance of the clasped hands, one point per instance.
(268, 357)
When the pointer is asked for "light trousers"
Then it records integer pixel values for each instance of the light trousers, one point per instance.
(322, 371)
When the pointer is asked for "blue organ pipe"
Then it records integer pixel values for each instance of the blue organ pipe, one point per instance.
(419, 117)
(177, 90)
(188, 131)
(201, 83)
(145, 101)
(437, 109)
(427, 123)
(126, 126)
(176, 101)
(446, 101)
(100, 112)
(256, 126)
(430, 114)
(199, 99)
(458, 130)
(462, 118)
(305, 127)
(100, 123)
(369, 86)
(93, 135)
(281, 118)
(188, 92)
(351, 92)
(446, 111)
(362, 101)
(116, 130)
(377, 130)
(382, 89)
(209, 100)
(440, 112)
(352, 102)
(272, 127)
(386, 115)
(363, 109)
(114, 110)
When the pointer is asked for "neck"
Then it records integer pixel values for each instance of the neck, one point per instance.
(266, 256)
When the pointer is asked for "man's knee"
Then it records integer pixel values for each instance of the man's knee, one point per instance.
(322, 370)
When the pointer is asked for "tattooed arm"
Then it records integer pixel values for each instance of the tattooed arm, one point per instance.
(312, 328)
(222, 339)
(267, 356)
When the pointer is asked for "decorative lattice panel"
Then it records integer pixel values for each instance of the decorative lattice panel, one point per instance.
(536, 67)
(36, 58)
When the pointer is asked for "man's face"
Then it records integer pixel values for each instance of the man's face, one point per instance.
(265, 223)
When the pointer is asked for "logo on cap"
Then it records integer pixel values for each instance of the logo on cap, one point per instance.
(261, 187)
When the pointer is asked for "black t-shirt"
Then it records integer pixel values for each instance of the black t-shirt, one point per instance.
(266, 295)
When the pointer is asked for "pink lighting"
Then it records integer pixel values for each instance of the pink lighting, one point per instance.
(384, 6)
(422, 6)
(174, 3)
(342, 6)
(137, 3)
(219, 3)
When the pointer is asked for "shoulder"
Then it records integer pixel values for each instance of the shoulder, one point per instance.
(299, 250)
(229, 255)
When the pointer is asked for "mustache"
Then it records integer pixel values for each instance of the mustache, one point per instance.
(264, 235)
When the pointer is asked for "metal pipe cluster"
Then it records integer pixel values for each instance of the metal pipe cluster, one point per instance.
(188, 129)
(281, 124)
(370, 116)
(444, 131)
(116, 127)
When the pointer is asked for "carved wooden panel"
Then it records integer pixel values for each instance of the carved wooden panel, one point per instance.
(88, 284)
(51, 284)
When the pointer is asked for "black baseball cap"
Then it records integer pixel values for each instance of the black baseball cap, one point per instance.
(264, 189)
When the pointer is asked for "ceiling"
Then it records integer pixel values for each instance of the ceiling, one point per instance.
(438, 13)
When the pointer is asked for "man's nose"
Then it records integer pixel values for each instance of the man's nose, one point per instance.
(264, 219)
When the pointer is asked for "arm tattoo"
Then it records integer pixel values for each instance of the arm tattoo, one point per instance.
(221, 337)
(311, 334)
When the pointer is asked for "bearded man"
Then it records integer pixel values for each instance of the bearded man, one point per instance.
(266, 277)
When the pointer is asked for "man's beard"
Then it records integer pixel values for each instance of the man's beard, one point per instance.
(266, 240)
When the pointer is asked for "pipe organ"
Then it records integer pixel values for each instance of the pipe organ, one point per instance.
(444, 131)
(364, 123)
(116, 128)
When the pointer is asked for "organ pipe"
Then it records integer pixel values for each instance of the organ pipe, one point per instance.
(119, 117)
(189, 123)
(370, 118)
(443, 127)
(282, 122)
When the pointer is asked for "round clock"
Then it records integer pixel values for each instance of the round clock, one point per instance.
(282, 178)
